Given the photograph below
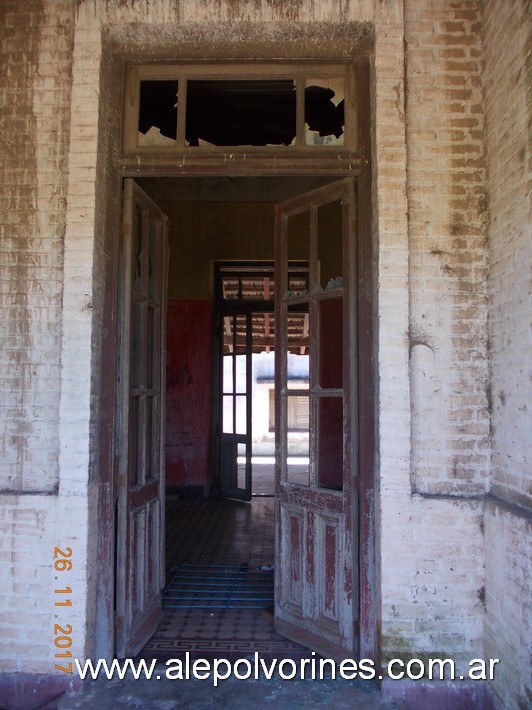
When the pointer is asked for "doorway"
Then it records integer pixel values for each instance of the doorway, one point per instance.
(209, 229)
(204, 230)
(245, 337)
(224, 223)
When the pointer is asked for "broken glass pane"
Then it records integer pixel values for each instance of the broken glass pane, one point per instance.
(233, 112)
(324, 112)
(158, 112)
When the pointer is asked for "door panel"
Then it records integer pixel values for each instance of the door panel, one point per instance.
(316, 515)
(292, 533)
(140, 474)
(327, 541)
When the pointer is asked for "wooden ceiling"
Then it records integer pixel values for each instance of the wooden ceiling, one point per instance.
(255, 292)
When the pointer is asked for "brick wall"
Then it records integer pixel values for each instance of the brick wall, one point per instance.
(86, 474)
(32, 526)
(508, 629)
(36, 55)
(508, 523)
(35, 99)
(436, 453)
(448, 254)
(507, 88)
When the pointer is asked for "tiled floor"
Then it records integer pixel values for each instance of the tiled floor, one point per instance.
(196, 585)
(215, 532)
(219, 532)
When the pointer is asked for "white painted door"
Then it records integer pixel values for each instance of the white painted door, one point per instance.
(140, 480)
(316, 592)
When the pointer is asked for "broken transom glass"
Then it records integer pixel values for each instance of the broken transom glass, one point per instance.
(184, 107)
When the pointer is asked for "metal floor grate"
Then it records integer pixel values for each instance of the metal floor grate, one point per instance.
(197, 586)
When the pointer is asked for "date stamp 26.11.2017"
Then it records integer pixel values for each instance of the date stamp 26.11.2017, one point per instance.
(62, 631)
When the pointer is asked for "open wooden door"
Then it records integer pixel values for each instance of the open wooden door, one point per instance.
(316, 588)
(140, 476)
(234, 399)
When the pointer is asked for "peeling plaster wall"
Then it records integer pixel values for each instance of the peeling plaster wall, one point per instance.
(429, 223)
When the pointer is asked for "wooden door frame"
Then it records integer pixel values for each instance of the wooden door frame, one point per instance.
(255, 166)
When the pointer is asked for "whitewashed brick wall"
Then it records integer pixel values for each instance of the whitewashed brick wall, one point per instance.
(508, 627)
(31, 527)
(35, 97)
(434, 418)
(508, 543)
(448, 252)
(507, 89)
(35, 515)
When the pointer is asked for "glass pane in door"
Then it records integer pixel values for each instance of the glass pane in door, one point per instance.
(298, 418)
(228, 426)
(153, 255)
(298, 249)
(242, 450)
(329, 443)
(241, 413)
(329, 255)
(330, 343)
(227, 374)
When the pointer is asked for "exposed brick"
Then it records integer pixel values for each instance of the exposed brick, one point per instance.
(508, 564)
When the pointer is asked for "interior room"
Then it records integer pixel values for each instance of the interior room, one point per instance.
(221, 258)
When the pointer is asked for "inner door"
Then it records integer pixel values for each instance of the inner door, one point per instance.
(234, 455)
(140, 475)
(316, 592)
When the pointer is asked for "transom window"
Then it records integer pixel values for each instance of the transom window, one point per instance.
(208, 107)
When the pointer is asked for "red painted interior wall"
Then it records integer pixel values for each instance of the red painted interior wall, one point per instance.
(188, 393)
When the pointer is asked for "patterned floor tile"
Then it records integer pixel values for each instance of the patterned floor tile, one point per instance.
(219, 532)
